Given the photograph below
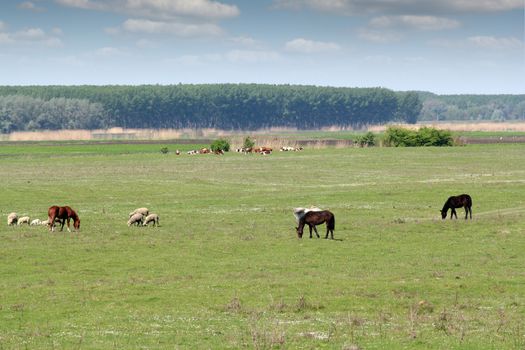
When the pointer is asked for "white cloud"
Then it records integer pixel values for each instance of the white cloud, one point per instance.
(29, 36)
(244, 41)
(414, 22)
(481, 42)
(196, 8)
(358, 7)
(494, 43)
(184, 18)
(174, 28)
(379, 36)
(5, 39)
(159, 9)
(309, 46)
(28, 5)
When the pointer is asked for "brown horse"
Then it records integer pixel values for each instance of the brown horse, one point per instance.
(62, 214)
(314, 218)
(463, 200)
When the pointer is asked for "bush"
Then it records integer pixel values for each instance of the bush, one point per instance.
(248, 143)
(220, 145)
(400, 137)
(164, 150)
(434, 137)
(367, 140)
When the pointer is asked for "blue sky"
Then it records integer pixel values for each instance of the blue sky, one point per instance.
(442, 46)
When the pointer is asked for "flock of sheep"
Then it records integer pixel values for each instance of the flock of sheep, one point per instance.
(139, 217)
(142, 217)
(14, 219)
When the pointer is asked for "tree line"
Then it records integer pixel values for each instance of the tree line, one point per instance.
(222, 106)
(472, 107)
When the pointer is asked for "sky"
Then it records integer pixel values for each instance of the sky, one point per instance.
(441, 46)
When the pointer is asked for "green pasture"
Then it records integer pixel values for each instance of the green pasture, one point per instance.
(225, 269)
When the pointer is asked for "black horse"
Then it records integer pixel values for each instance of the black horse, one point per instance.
(463, 200)
(314, 218)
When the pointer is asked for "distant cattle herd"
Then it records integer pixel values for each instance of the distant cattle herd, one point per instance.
(263, 150)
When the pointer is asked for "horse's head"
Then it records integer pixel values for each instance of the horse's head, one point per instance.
(299, 232)
(443, 214)
(76, 224)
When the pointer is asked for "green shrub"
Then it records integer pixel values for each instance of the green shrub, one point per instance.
(401, 137)
(164, 150)
(434, 137)
(366, 140)
(248, 143)
(220, 144)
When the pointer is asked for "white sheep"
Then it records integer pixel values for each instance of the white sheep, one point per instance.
(36, 222)
(142, 211)
(46, 222)
(12, 219)
(135, 219)
(24, 220)
(151, 218)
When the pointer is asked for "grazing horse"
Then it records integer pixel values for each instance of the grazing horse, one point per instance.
(314, 218)
(62, 214)
(463, 200)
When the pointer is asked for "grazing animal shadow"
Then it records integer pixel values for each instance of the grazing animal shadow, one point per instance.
(62, 214)
(314, 218)
(463, 200)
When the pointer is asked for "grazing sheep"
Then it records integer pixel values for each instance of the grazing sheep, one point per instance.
(135, 219)
(24, 220)
(143, 211)
(46, 222)
(36, 222)
(12, 219)
(151, 218)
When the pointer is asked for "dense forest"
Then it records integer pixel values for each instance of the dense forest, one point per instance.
(227, 106)
(472, 107)
(237, 107)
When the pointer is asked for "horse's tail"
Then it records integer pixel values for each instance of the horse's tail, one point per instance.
(331, 223)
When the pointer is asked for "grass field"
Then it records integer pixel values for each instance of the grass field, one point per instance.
(226, 270)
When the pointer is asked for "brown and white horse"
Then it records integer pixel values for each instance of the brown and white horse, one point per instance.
(314, 218)
(62, 214)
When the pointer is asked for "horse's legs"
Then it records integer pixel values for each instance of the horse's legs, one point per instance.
(51, 223)
(453, 213)
(315, 229)
(468, 210)
(310, 227)
(68, 230)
